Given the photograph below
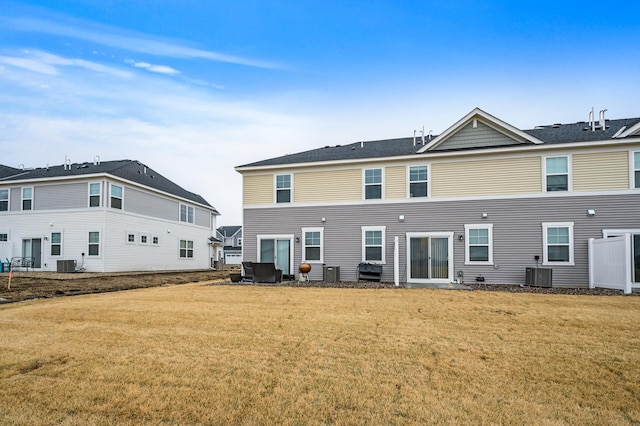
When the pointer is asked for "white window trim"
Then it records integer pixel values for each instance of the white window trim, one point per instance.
(126, 237)
(187, 207)
(275, 188)
(364, 184)
(8, 200)
(363, 230)
(99, 195)
(140, 242)
(51, 243)
(22, 199)
(193, 249)
(569, 173)
(289, 237)
(304, 245)
(153, 244)
(545, 252)
(99, 243)
(8, 237)
(428, 166)
(111, 185)
(633, 169)
(239, 242)
(488, 226)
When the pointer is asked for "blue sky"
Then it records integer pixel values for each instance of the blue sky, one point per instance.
(194, 88)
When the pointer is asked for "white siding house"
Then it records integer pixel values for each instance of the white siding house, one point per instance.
(106, 216)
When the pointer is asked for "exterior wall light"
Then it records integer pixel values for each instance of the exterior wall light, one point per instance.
(591, 212)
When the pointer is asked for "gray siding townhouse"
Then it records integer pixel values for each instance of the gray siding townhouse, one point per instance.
(484, 200)
(106, 216)
(231, 236)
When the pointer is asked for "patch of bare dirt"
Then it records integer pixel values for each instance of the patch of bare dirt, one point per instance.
(36, 285)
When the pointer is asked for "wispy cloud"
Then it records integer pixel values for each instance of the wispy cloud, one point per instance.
(130, 41)
(47, 63)
(160, 69)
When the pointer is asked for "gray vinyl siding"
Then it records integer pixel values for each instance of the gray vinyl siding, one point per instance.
(15, 199)
(202, 217)
(517, 232)
(151, 205)
(470, 137)
(61, 196)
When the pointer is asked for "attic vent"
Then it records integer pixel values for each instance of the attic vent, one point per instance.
(556, 125)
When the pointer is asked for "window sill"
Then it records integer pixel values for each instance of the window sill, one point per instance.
(558, 264)
(480, 263)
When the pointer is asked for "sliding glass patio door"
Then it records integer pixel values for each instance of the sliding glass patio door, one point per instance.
(430, 257)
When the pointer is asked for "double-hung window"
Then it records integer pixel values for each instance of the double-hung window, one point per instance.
(418, 181)
(4, 200)
(558, 243)
(94, 243)
(95, 189)
(312, 248)
(186, 213)
(116, 197)
(186, 249)
(636, 170)
(27, 198)
(373, 244)
(556, 173)
(479, 244)
(283, 188)
(372, 184)
(56, 244)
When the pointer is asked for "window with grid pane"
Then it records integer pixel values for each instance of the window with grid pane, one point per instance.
(373, 184)
(557, 173)
(418, 181)
(283, 188)
(313, 245)
(56, 244)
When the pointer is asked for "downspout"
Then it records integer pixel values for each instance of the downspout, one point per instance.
(396, 262)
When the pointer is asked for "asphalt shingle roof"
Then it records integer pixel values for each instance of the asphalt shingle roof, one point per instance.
(131, 170)
(551, 134)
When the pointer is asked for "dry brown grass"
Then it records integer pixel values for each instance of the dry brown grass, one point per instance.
(195, 354)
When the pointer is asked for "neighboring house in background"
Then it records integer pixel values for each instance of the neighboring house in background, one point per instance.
(108, 216)
(483, 200)
(231, 237)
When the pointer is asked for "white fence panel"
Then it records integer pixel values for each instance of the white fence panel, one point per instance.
(610, 263)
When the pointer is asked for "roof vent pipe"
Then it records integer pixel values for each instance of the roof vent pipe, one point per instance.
(423, 135)
(414, 137)
(430, 131)
(592, 120)
(361, 144)
(96, 160)
(602, 120)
